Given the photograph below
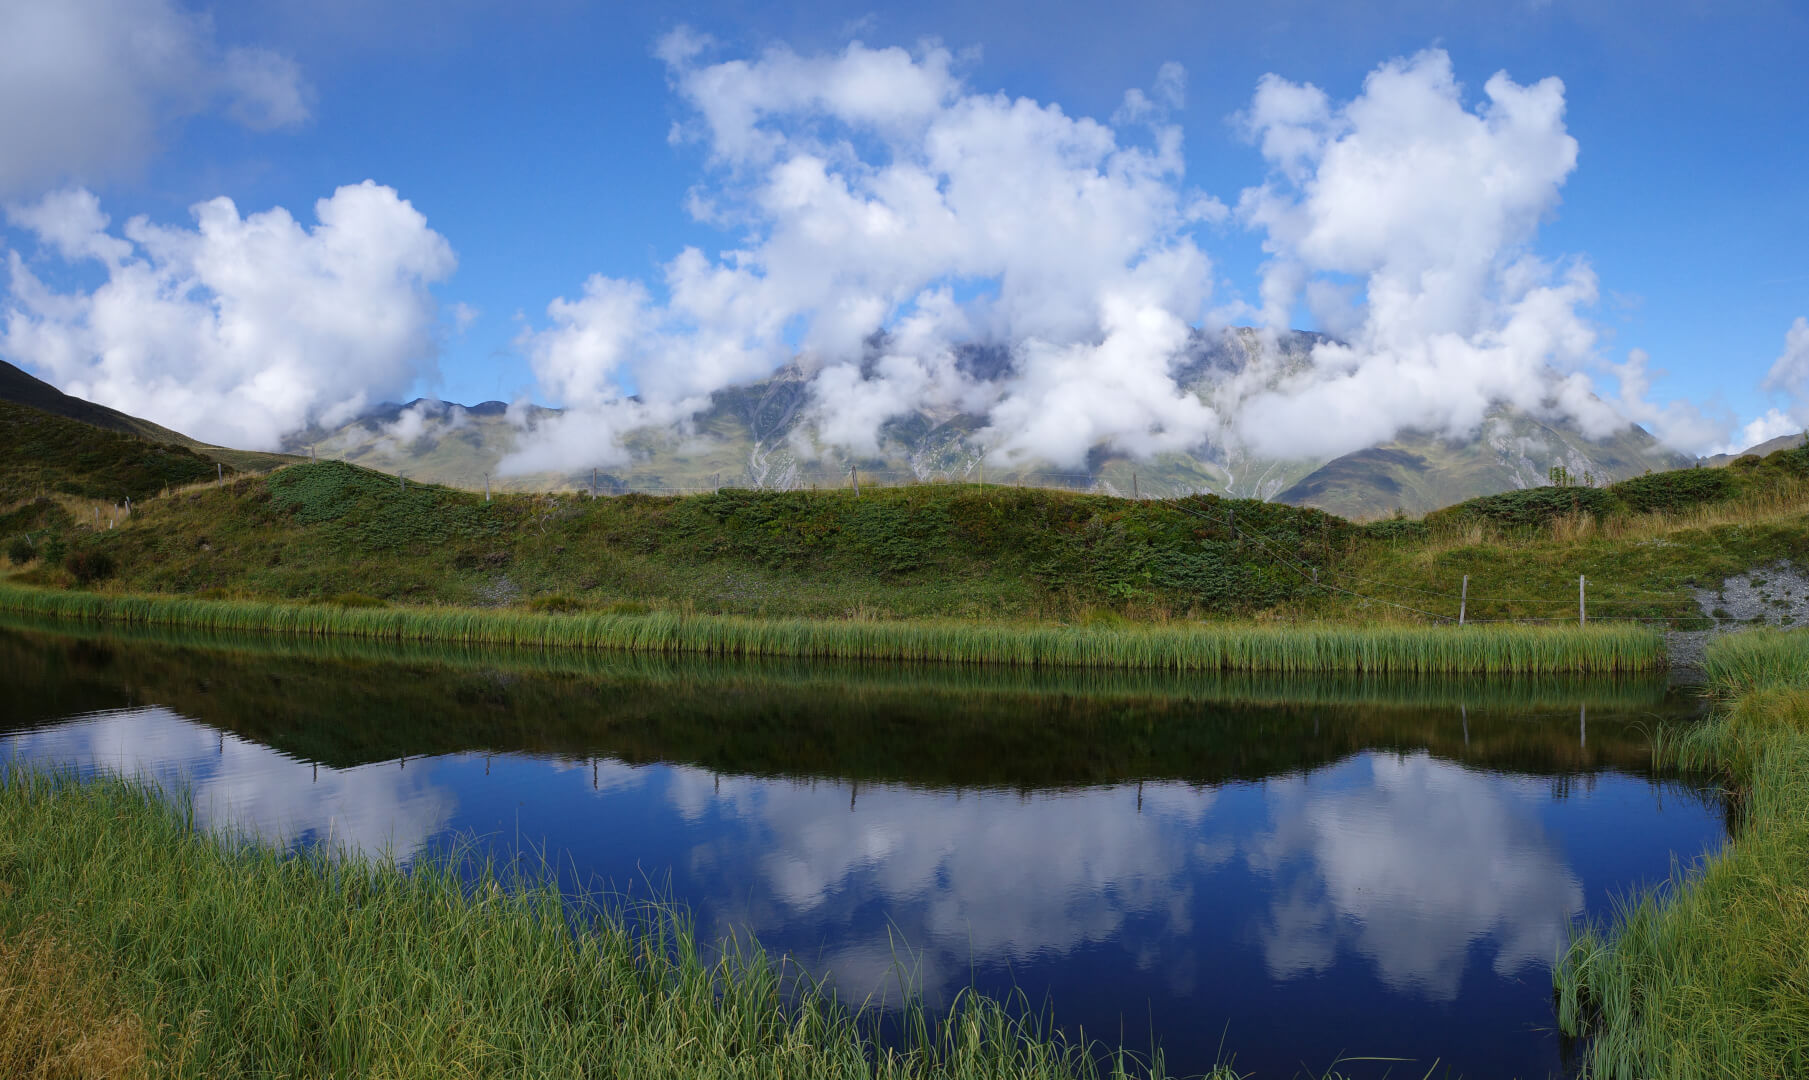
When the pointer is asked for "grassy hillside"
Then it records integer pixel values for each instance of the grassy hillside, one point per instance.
(318, 531)
(335, 532)
(49, 455)
(18, 388)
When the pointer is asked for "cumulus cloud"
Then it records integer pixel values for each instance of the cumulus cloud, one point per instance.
(242, 328)
(89, 87)
(1405, 218)
(1789, 373)
(891, 213)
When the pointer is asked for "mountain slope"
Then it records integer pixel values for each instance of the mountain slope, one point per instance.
(1416, 473)
(45, 454)
(1764, 449)
(761, 436)
(21, 388)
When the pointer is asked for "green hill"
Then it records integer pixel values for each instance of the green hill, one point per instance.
(336, 532)
(46, 455)
(20, 388)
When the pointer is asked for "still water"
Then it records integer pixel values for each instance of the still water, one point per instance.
(1290, 870)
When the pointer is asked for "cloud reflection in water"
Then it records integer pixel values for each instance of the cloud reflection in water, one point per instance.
(374, 809)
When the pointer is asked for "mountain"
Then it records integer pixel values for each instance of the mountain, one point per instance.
(21, 388)
(1417, 473)
(1769, 446)
(759, 436)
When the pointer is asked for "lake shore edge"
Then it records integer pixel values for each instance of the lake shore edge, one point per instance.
(1708, 975)
(1311, 647)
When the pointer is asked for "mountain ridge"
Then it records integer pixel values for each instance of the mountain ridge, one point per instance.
(758, 435)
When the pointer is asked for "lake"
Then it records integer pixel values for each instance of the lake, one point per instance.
(1276, 870)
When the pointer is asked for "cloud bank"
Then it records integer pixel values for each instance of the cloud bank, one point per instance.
(240, 329)
(891, 213)
(891, 216)
(89, 87)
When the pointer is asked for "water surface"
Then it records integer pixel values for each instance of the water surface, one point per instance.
(1290, 869)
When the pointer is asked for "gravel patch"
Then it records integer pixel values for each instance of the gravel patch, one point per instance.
(499, 591)
(1775, 595)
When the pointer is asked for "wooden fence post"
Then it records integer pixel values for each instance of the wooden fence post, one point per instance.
(1463, 600)
(1582, 604)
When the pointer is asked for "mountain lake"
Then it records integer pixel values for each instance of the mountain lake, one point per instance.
(1275, 872)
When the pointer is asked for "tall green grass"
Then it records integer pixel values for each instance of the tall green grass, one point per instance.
(246, 961)
(1509, 691)
(1709, 976)
(1168, 647)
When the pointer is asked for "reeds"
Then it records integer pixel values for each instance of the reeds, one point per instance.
(1179, 647)
(246, 961)
(1709, 976)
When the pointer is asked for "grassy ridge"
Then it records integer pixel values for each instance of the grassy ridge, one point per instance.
(1711, 977)
(203, 961)
(49, 454)
(1172, 647)
(946, 551)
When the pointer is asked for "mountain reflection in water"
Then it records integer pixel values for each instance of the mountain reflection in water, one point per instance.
(1207, 859)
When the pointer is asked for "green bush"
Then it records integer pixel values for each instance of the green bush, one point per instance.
(1528, 507)
(21, 551)
(1681, 489)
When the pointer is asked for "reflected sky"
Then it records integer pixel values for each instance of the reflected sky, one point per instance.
(1389, 901)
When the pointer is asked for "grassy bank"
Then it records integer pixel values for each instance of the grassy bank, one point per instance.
(1173, 646)
(188, 959)
(1710, 978)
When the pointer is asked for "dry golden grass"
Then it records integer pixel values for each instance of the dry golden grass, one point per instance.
(59, 1016)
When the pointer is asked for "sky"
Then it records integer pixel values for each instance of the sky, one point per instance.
(240, 220)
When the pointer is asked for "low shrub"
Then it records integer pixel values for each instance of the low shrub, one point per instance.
(89, 566)
(21, 551)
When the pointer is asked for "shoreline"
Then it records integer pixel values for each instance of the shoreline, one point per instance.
(1606, 648)
(1708, 973)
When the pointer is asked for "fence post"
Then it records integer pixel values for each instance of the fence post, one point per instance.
(1582, 605)
(1463, 600)
(1134, 493)
(854, 477)
(486, 487)
(220, 473)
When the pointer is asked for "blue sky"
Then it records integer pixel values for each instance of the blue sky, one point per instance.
(533, 138)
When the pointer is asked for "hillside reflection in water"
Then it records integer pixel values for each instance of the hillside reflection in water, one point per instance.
(1202, 858)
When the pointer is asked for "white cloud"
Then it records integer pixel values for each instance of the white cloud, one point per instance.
(241, 329)
(1789, 373)
(1409, 217)
(1773, 424)
(890, 213)
(874, 187)
(89, 87)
